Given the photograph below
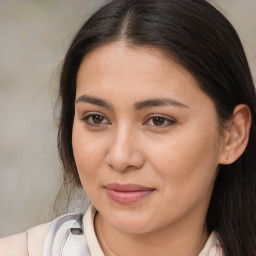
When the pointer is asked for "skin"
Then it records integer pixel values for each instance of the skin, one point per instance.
(177, 154)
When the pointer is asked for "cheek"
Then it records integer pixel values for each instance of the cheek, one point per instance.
(88, 160)
(88, 154)
(187, 163)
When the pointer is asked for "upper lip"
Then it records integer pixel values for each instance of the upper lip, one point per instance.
(127, 187)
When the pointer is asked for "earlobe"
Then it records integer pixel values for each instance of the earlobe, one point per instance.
(237, 135)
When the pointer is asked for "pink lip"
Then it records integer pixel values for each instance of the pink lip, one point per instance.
(127, 193)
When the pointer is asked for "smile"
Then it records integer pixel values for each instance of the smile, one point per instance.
(127, 193)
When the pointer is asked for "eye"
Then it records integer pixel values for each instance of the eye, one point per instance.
(159, 121)
(95, 120)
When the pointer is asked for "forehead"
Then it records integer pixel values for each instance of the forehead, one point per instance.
(115, 69)
(116, 52)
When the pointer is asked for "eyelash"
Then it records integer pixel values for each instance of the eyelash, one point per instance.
(91, 123)
(167, 121)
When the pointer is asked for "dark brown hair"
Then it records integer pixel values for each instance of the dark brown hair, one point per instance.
(201, 39)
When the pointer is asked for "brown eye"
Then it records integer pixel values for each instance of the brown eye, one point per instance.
(158, 121)
(97, 119)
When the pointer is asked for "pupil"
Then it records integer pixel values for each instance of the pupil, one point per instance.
(158, 120)
(97, 119)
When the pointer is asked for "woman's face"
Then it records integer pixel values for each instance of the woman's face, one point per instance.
(145, 139)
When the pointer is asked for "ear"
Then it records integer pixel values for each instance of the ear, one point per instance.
(237, 135)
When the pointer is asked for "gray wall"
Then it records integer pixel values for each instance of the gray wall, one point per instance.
(33, 38)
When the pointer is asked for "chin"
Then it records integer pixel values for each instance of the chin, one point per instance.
(133, 228)
(132, 223)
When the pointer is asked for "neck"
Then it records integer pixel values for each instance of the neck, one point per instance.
(166, 241)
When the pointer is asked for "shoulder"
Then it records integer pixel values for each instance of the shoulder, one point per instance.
(212, 246)
(27, 243)
(36, 239)
(14, 245)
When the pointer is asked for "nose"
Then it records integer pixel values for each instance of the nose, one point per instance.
(125, 151)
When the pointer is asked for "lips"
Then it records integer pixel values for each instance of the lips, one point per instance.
(127, 193)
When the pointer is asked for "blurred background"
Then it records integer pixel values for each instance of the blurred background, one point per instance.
(34, 35)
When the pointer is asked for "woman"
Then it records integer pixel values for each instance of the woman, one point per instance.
(158, 127)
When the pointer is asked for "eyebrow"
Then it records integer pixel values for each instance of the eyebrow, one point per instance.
(156, 102)
(95, 101)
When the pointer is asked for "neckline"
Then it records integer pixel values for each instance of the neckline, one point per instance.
(94, 246)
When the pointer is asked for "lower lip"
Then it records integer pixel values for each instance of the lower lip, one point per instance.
(128, 197)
